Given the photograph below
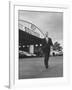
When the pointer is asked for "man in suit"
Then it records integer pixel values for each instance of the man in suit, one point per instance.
(47, 43)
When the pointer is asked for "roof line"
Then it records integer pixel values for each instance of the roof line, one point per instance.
(33, 24)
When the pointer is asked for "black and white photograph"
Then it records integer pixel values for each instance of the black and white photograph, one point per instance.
(40, 46)
(36, 45)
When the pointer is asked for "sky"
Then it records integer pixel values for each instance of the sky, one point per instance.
(46, 21)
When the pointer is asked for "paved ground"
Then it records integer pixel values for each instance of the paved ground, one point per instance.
(34, 67)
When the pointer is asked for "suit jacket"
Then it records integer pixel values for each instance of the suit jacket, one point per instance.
(47, 45)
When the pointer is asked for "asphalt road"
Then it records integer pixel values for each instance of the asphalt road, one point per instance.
(34, 68)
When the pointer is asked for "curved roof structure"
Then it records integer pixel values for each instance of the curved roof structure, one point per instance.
(30, 28)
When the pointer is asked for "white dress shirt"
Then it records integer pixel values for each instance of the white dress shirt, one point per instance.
(47, 39)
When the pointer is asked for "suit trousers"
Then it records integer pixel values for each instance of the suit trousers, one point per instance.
(46, 59)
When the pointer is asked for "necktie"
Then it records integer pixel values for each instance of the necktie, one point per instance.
(47, 40)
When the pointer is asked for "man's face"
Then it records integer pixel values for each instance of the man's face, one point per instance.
(46, 34)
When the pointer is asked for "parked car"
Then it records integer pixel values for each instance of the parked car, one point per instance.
(56, 53)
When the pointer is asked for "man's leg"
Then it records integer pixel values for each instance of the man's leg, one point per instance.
(46, 60)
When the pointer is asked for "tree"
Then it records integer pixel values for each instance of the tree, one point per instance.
(57, 46)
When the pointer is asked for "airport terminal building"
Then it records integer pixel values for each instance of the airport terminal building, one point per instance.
(30, 39)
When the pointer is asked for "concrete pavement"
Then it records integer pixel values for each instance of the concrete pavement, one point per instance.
(34, 67)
